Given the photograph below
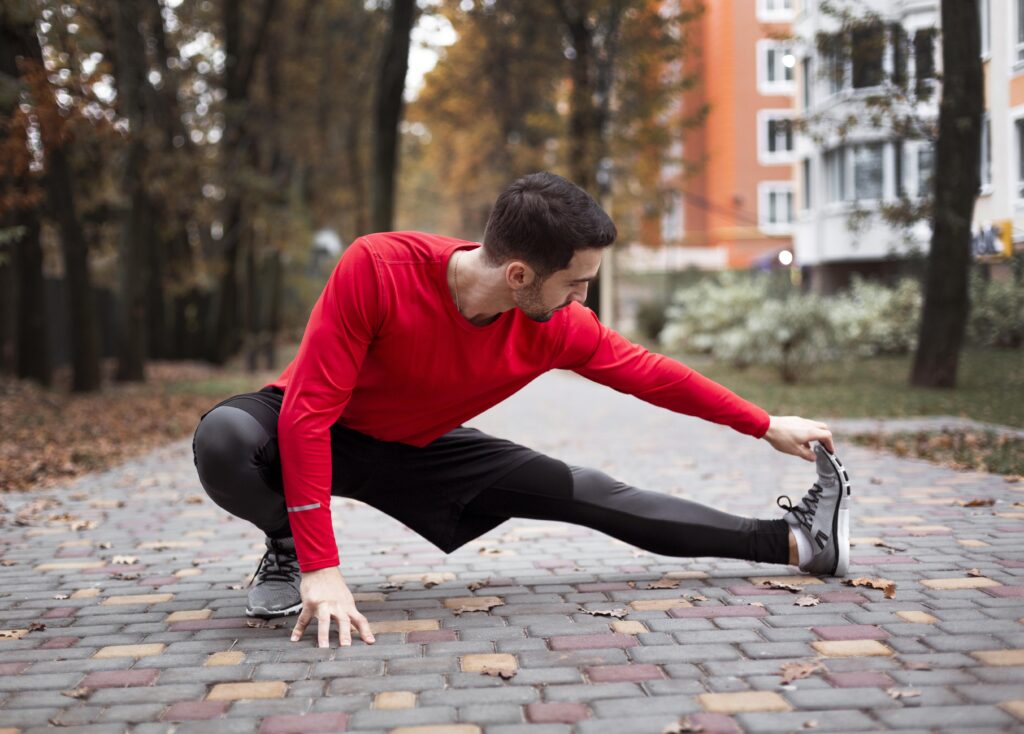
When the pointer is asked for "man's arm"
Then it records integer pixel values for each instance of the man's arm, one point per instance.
(340, 328)
(600, 354)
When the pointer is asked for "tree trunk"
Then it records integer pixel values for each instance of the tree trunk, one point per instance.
(33, 352)
(944, 317)
(390, 103)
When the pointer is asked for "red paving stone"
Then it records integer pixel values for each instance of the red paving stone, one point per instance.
(60, 612)
(555, 713)
(59, 643)
(195, 710)
(431, 636)
(755, 590)
(1005, 592)
(121, 678)
(12, 668)
(583, 642)
(302, 723)
(860, 679)
(850, 632)
(623, 673)
(714, 724)
(207, 624)
(842, 597)
(737, 610)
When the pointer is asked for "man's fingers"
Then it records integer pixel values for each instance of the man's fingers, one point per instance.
(363, 625)
(323, 629)
(804, 452)
(300, 623)
(344, 630)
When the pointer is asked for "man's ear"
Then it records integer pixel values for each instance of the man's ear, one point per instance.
(519, 275)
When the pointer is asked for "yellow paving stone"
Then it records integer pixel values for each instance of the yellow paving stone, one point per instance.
(33, 532)
(686, 575)
(9, 730)
(252, 689)
(542, 530)
(851, 648)
(370, 596)
(475, 662)
(85, 594)
(184, 572)
(458, 601)
(188, 615)
(130, 651)
(228, 657)
(438, 729)
(657, 605)
(1011, 515)
(963, 582)
(890, 519)
(12, 634)
(973, 543)
(626, 627)
(200, 533)
(137, 599)
(935, 501)
(380, 626)
(394, 700)
(794, 580)
(402, 578)
(873, 500)
(743, 702)
(866, 541)
(69, 565)
(1014, 708)
(927, 529)
(198, 512)
(1000, 657)
(157, 544)
(917, 617)
(75, 544)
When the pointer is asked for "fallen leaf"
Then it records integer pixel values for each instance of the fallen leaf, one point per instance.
(36, 626)
(235, 587)
(810, 724)
(897, 693)
(390, 586)
(124, 560)
(978, 502)
(664, 583)
(482, 605)
(495, 552)
(684, 725)
(122, 576)
(8, 563)
(779, 585)
(1012, 478)
(975, 572)
(618, 612)
(756, 604)
(475, 585)
(194, 499)
(83, 525)
(890, 548)
(105, 545)
(876, 480)
(695, 597)
(504, 673)
(82, 692)
(61, 597)
(262, 624)
(797, 670)
(885, 585)
(807, 601)
(430, 580)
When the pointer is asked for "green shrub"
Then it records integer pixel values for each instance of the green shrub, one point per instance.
(997, 313)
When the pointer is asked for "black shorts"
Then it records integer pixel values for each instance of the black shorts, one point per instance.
(424, 488)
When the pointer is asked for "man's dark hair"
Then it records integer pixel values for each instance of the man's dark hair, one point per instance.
(544, 219)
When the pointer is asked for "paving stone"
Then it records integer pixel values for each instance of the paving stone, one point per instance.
(851, 648)
(547, 713)
(238, 691)
(734, 703)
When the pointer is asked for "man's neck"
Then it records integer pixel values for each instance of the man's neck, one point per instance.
(478, 289)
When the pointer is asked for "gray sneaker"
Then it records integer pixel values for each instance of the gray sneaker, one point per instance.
(824, 515)
(277, 578)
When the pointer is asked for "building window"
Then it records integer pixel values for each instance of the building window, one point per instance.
(898, 167)
(775, 136)
(808, 82)
(925, 165)
(924, 61)
(867, 171)
(985, 13)
(775, 206)
(1020, 31)
(986, 153)
(775, 67)
(868, 49)
(773, 11)
(672, 220)
(900, 53)
(1018, 126)
(833, 61)
(807, 201)
(835, 175)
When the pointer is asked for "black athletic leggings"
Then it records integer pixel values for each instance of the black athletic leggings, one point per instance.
(236, 455)
(548, 489)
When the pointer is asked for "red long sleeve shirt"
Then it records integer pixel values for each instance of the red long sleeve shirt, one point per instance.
(386, 353)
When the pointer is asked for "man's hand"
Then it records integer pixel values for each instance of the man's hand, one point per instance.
(792, 434)
(325, 596)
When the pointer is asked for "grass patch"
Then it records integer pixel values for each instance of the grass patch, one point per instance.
(990, 389)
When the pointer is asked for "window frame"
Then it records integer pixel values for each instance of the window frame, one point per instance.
(765, 190)
(773, 158)
(774, 15)
(764, 84)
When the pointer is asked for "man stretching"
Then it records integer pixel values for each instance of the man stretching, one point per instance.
(416, 333)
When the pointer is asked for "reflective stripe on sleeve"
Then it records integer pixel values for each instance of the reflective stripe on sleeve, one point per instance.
(300, 508)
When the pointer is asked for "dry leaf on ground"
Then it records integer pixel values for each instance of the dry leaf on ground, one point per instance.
(797, 670)
(898, 693)
(82, 692)
(779, 585)
(482, 605)
(503, 673)
(978, 502)
(885, 585)
(124, 560)
(683, 726)
(807, 601)
(618, 612)
(663, 583)
(975, 572)
(430, 580)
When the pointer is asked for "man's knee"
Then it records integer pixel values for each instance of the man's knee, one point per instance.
(593, 485)
(225, 443)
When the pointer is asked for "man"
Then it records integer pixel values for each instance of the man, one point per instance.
(414, 334)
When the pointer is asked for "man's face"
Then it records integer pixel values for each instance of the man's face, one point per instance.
(541, 298)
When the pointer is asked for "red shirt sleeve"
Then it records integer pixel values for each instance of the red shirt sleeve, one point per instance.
(341, 325)
(600, 354)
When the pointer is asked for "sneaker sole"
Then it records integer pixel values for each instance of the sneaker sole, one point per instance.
(270, 614)
(841, 518)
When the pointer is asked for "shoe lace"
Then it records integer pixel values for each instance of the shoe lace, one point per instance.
(804, 512)
(282, 566)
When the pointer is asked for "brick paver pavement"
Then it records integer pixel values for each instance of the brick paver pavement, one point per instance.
(122, 604)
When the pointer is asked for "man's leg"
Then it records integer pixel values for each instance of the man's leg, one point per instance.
(548, 489)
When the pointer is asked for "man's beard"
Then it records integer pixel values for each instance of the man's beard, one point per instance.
(529, 301)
